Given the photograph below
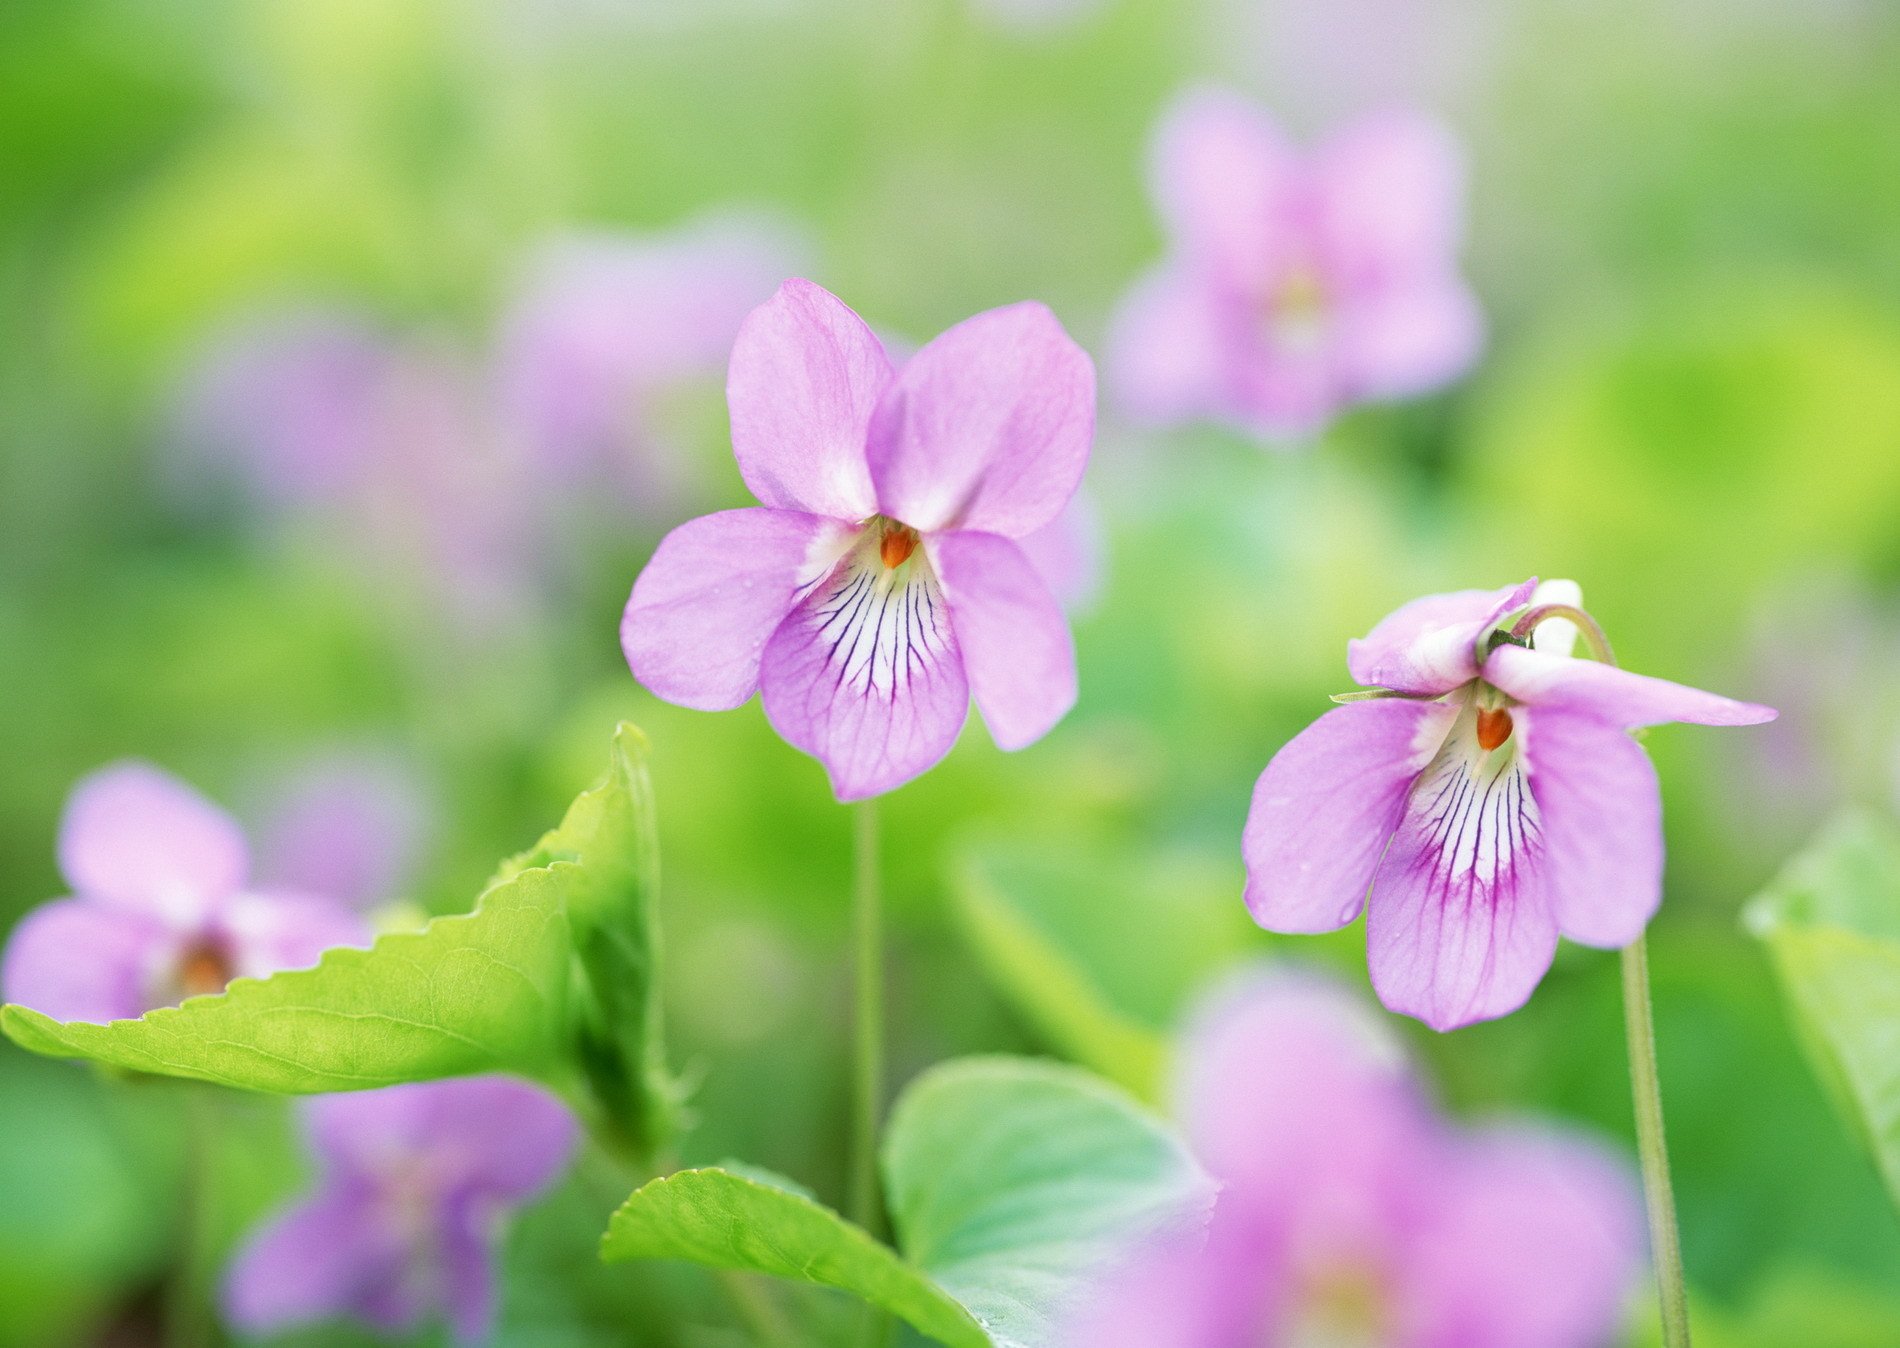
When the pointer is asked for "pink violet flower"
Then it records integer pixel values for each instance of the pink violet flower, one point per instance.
(413, 1184)
(161, 908)
(345, 824)
(880, 585)
(1352, 1214)
(1296, 283)
(1485, 798)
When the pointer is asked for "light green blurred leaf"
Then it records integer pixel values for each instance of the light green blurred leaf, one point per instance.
(1010, 1182)
(550, 976)
(1099, 951)
(1831, 920)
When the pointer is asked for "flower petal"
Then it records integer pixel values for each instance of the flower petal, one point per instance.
(713, 594)
(467, 1268)
(77, 959)
(272, 932)
(139, 837)
(1460, 925)
(1430, 645)
(1615, 696)
(806, 374)
(988, 427)
(1017, 651)
(1391, 192)
(323, 1258)
(1602, 813)
(509, 1138)
(1170, 349)
(345, 826)
(1407, 340)
(1536, 1242)
(1067, 554)
(1226, 180)
(1325, 807)
(865, 674)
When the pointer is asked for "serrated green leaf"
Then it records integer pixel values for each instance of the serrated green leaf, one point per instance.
(1011, 1182)
(1103, 993)
(1831, 921)
(550, 976)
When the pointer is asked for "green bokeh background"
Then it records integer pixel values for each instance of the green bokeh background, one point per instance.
(1685, 226)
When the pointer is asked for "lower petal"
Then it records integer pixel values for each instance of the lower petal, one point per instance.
(74, 959)
(1325, 807)
(322, 1259)
(1610, 694)
(713, 594)
(268, 933)
(1410, 340)
(866, 675)
(1017, 651)
(1461, 927)
(468, 1269)
(1602, 809)
(1168, 349)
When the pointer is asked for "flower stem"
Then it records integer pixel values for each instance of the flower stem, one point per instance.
(187, 1316)
(1664, 1239)
(867, 1021)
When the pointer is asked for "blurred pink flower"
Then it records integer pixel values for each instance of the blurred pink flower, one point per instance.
(162, 908)
(1295, 284)
(413, 1182)
(1493, 799)
(347, 825)
(880, 586)
(1352, 1215)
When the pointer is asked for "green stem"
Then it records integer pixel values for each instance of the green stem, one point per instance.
(868, 1020)
(187, 1313)
(1664, 1238)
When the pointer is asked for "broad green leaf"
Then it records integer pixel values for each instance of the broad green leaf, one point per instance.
(550, 976)
(1832, 923)
(1011, 1182)
(1098, 953)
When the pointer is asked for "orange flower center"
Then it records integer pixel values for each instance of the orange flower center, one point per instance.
(203, 969)
(899, 541)
(1494, 727)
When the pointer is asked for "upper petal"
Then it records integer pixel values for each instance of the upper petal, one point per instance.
(1226, 181)
(1613, 695)
(1409, 339)
(1017, 651)
(1170, 348)
(510, 1139)
(987, 427)
(714, 592)
(272, 932)
(1460, 926)
(136, 836)
(866, 675)
(1602, 811)
(1536, 1241)
(806, 374)
(1325, 807)
(1391, 191)
(77, 959)
(1430, 645)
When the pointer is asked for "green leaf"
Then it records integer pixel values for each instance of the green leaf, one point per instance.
(1101, 992)
(550, 976)
(1011, 1183)
(1831, 921)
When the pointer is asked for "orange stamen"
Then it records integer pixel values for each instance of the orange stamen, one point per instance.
(898, 543)
(203, 969)
(1494, 727)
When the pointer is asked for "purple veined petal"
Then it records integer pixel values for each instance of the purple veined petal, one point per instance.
(1536, 1242)
(267, 933)
(806, 374)
(1228, 185)
(467, 1256)
(1601, 806)
(988, 427)
(1409, 339)
(1067, 554)
(1460, 926)
(1615, 696)
(866, 675)
(1391, 193)
(1170, 348)
(324, 1257)
(1017, 651)
(138, 837)
(1299, 1099)
(78, 959)
(1429, 646)
(1327, 804)
(346, 826)
(712, 595)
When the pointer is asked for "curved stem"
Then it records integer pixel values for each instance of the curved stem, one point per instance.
(1587, 627)
(868, 1020)
(1664, 1237)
